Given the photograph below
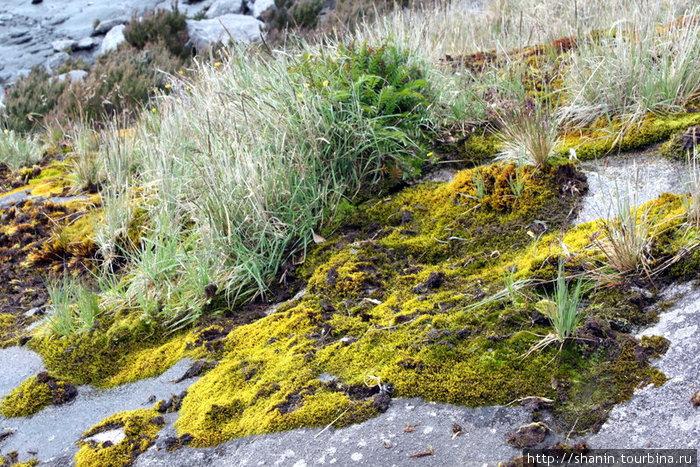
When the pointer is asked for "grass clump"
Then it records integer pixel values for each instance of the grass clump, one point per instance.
(233, 189)
(635, 67)
(626, 239)
(74, 307)
(18, 151)
(563, 307)
(529, 133)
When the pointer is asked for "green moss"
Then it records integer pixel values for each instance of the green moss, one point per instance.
(390, 297)
(114, 353)
(11, 459)
(395, 308)
(26, 399)
(8, 329)
(140, 427)
(266, 382)
(35, 393)
(596, 143)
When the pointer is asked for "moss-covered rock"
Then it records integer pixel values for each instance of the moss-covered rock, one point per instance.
(140, 428)
(607, 138)
(35, 393)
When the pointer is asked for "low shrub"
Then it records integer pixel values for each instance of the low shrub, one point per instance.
(380, 86)
(162, 26)
(31, 99)
(120, 82)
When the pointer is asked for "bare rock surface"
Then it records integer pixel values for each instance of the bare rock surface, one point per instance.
(640, 176)
(664, 417)
(403, 435)
(53, 431)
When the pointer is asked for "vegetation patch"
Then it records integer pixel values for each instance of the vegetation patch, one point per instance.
(35, 393)
(140, 428)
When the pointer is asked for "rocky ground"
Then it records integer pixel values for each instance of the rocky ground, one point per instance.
(411, 431)
(50, 32)
(392, 431)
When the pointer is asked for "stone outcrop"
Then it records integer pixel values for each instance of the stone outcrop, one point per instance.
(241, 28)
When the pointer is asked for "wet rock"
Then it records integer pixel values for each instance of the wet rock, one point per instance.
(224, 7)
(627, 176)
(112, 39)
(207, 32)
(435, 280)
(528, 436)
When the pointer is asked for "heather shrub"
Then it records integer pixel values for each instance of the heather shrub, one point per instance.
(119, 83)
(31, 99)
(164, 26)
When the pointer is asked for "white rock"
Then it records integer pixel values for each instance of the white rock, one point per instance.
(73, 76)
(112, 39)
(105, 26)
(207, 32)
(114, 436)
(62, 45)
(224, 7)
(85, 43)
(261, 6)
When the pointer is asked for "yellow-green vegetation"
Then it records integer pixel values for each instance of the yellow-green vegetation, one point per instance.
(139, 426)
(399, 308)
(446, 291)
(11, 459)
(26, 399)
(605, 138)
(35, 393)
(8, 325)
(114, 352)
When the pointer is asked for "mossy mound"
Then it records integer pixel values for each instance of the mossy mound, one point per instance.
(35, 393)
(608, 137)
(140, 428)
(118, 351)
(11, 459)
(9, 325)
(389, 302)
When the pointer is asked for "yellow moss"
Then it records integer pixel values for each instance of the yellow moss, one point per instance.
(140, 427)
(149, 362)
(11, 459)
(592, 144)
(26, 399)
(8, 325)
